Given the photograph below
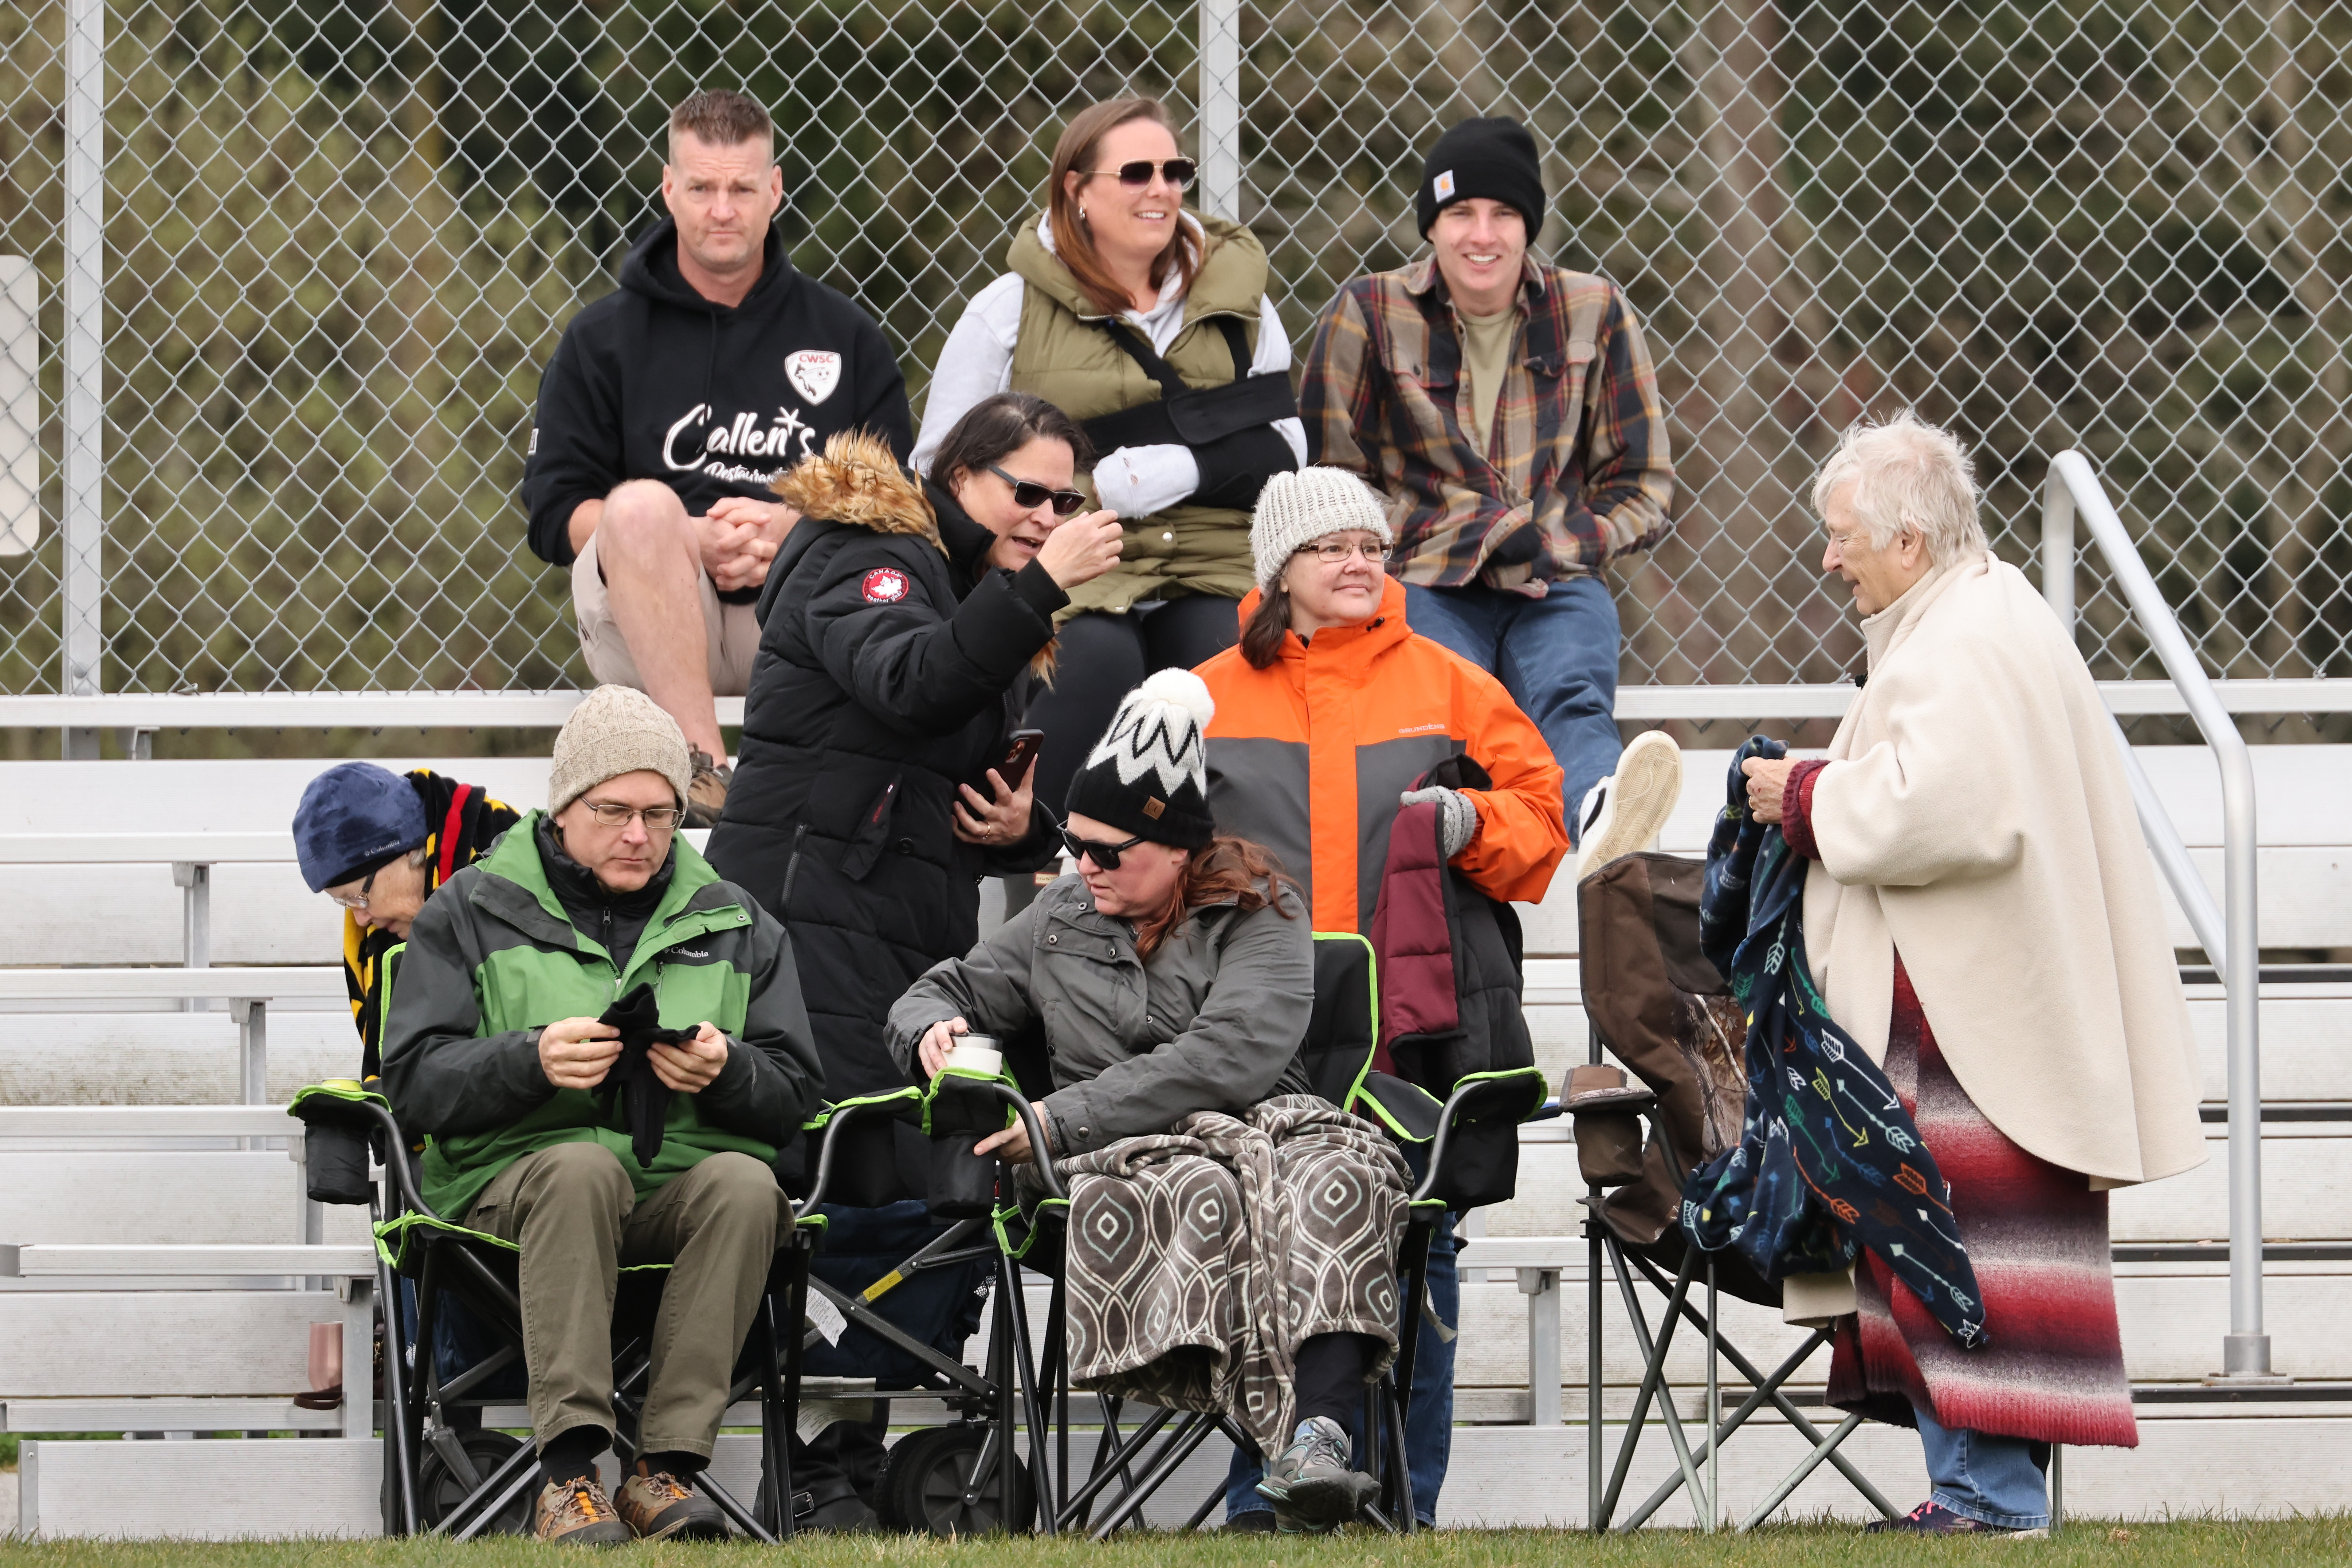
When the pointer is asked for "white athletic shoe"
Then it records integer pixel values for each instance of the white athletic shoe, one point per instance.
(1624, 812)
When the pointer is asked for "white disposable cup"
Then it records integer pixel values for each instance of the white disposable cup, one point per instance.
(976, 1053)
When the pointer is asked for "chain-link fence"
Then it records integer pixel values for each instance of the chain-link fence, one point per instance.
(295, 268)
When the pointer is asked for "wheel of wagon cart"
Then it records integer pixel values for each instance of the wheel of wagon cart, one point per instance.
(925, 1480)
(440, 1489)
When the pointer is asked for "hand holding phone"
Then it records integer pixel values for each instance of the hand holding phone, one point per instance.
(1019, 756)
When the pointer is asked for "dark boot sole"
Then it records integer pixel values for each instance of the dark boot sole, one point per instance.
(1331, 1503)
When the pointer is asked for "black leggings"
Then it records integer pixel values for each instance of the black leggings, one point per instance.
(1329, 1379)
(1103, 658)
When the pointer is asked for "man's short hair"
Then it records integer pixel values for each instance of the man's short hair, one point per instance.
(1907, 474)
(722, 117)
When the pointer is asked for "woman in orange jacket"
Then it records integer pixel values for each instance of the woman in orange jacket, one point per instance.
(1327, 714)
(1332, 706)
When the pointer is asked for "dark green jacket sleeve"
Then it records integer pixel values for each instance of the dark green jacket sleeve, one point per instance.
(441, 1076)
(772, 1079)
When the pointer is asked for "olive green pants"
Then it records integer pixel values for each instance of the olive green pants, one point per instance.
(575, 1213)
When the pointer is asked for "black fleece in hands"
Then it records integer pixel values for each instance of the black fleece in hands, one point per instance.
(647, 1103)
(655, 382)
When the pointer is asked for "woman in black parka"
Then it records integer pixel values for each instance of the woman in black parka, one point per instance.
(897, 621)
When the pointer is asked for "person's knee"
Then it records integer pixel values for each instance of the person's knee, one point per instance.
(586, 1174)
(740, 1188)
(640, 518)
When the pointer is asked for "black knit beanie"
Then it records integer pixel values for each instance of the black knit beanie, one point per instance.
(1491, 158)
(1149, 774)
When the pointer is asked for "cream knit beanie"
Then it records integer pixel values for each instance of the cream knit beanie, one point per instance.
(1298, 507)
(618, 730)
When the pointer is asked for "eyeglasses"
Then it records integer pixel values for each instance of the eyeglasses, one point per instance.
(658, 818)
(357, 905)
(1028, 494)
(1137, 171)
(1103, 855)
(1331, 551)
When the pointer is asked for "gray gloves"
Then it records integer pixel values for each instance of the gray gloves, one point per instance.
(1457, 819)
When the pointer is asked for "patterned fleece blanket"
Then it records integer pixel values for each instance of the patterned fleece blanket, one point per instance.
(1200, 1258)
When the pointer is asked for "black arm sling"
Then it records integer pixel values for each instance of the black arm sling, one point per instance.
(1192, 416)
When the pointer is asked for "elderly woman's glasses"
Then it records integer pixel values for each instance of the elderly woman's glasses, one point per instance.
(1331, 551)
(1137, 171)
(658, 818)
(1029, 495)
(358, 902)
(1103, 855)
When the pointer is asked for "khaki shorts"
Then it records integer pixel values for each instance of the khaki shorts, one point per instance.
(731, 632)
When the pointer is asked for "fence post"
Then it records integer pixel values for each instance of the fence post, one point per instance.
(81, 566)
(1221, 108)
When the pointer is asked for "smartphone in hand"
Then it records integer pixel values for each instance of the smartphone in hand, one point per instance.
(1019, 756)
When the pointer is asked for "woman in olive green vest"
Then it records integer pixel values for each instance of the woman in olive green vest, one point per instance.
(1150, 325)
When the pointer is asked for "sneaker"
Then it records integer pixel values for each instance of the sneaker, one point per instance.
(1625, 810)
(1312, 1484)
(578, 1513)
(1256, 1522)
(1934, 1518)
(705, 793)
(659, 1507)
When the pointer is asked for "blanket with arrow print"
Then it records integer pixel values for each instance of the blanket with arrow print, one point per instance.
(1828, 1161)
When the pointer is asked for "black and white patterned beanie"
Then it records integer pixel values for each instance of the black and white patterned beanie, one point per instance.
(1149, 774)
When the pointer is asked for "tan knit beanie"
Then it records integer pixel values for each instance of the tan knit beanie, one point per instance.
(618, 730)
(1298, 507)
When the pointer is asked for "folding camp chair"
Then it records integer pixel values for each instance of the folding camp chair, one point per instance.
(445, 1472)
(1461, 1134)
(1656, 1003)
(965, 1477)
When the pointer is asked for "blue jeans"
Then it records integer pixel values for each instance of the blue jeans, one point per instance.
(1557, 657)
(1429, 1425)
(1993, 1480)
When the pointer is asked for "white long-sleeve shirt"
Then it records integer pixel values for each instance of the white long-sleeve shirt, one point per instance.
(1134, 481)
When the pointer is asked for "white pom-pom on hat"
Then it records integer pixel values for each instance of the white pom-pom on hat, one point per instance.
(1297, 507)
(1183, 688)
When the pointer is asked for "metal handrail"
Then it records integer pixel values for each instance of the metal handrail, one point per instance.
(2230, 938)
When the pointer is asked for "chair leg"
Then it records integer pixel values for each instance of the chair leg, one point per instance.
(1193, 1430)
(398, 1453)
(1758, 1395)
(1821, 1451)
(1653, 1359)
(1033, 1406)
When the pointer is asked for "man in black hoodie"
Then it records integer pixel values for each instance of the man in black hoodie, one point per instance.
(669, 410)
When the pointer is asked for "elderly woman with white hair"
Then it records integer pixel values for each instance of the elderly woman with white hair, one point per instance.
(1982, 918)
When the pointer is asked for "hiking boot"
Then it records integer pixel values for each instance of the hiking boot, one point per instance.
(1312, 1484)
(1624, 811)
(1933, 1519)
(659, 1507)
(706, 794)
(578, 1513)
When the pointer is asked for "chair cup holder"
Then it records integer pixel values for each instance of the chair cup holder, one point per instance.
(1609, 1145)
(963, 1110)
(335, 1164)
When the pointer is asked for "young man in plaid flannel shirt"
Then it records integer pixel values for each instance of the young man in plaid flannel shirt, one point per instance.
(1509, 411)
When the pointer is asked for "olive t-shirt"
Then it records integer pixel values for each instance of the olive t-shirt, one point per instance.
(1486, 350)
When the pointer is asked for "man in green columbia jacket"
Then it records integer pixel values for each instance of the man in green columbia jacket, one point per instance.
(493, 1046)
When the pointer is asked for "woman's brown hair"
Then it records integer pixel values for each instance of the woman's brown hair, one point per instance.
(999, 425)
(1073, 242)
(1262, 638)
(1229, 869)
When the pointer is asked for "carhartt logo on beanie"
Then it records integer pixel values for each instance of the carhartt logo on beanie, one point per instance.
(617, 730)
(1149, 774)
(1300, 506)
(1491, 158)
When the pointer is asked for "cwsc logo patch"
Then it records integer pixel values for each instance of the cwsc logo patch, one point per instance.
(884, 585)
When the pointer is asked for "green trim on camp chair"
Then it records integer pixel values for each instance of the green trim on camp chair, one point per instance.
(930, 1093)
(1372, 1001)
(1397, 1119)
(908, 1094)
(1004, 1242)
(322, 1099)
(1533, 1075)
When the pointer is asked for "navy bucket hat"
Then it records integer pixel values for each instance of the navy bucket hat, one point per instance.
(354, 817)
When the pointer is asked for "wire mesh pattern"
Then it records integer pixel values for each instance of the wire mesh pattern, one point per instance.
(341, 237)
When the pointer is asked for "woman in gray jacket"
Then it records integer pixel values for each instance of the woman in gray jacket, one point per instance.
(1172, 977)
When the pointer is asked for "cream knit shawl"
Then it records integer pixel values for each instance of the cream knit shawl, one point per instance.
(1975, 816)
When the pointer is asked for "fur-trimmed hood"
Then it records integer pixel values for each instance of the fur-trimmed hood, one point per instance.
(858, 481)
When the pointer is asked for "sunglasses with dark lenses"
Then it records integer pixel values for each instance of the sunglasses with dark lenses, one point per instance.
(1103, 855)
(1137, 171)
(1028, 494)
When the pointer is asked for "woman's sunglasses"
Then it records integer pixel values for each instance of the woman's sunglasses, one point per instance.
(1028, 494)
(1103, 855)
(1137, 171)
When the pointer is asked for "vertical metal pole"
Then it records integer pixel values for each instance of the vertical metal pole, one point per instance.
(83, 567)
(1714, 1403)
(1221, 108)
(196, 880)
(1541, 1288)
(2058, 551)
(252, 1016)
(20, 405)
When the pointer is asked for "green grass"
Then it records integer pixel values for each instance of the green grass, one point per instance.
(2084, 1543)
